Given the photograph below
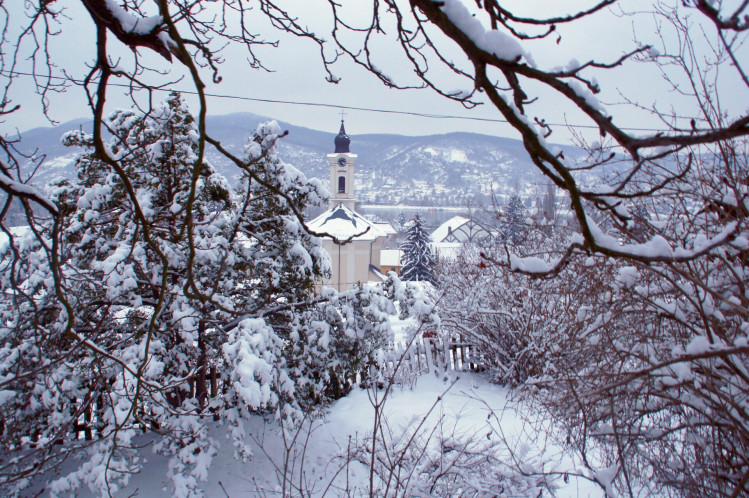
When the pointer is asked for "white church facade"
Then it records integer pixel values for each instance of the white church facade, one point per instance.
(355, 243)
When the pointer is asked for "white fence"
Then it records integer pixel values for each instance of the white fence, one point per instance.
(430, 354)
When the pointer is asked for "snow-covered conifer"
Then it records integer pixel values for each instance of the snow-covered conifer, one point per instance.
(513, 223)
(418, 260)
(402, 219)
(174, 297)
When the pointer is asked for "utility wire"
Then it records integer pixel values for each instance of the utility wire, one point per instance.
(327, 105)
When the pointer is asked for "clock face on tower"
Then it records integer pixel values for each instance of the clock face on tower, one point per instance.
(341, 161)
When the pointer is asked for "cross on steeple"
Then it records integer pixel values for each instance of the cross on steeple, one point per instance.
(342, 115)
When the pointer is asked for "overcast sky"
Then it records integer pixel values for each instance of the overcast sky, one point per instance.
(298, 76)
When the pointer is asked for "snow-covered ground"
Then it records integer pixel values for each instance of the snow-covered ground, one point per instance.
(350, 419)
(472, 409)
(320, 458)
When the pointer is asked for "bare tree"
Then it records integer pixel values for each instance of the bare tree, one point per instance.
(666, 375)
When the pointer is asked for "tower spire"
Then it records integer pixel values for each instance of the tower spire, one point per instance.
(342, 141)
(342, 164)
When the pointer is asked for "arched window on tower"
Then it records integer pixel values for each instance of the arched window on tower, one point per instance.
(341, 184)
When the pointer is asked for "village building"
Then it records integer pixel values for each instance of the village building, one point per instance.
(391, 260)
(354, 242)
(449, 238)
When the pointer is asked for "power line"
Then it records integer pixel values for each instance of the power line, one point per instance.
(327, 105)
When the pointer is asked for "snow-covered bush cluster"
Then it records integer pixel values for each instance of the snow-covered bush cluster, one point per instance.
(163, 298)
(641, 360)
(651, 372)
(508, 319)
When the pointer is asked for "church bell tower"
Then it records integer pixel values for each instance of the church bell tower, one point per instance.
(342, 163)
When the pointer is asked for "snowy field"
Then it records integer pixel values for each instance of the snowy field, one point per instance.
(473, 409)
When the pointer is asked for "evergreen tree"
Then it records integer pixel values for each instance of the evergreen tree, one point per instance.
(513, 224)
(550, 203)
(177, 295)
(418, 259)
(402, 220)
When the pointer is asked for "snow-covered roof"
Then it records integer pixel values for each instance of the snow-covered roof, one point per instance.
(386, 227)
(444, 229)
(390, 257)
(459, 229)
(343, 223)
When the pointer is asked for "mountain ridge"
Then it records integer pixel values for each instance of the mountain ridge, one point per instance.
(448, 169)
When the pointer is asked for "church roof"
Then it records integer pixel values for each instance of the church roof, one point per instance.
(343, 223)
(342, 141)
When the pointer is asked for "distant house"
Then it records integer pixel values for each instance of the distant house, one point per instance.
(355, 243)
(449, 237)
(390, 260)
(460, 229)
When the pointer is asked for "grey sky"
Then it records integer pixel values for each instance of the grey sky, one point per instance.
(298, 76)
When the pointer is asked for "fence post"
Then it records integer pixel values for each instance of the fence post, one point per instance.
(417, 346)
(428, 354)
(447, 360)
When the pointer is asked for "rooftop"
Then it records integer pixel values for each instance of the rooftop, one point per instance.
(343, 223)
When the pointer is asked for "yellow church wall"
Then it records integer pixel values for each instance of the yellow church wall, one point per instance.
(350, 262)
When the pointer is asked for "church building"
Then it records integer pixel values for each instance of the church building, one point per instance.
(355, 243)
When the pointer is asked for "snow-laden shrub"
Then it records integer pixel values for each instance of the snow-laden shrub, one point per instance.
(506, 318)
(163, 298)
